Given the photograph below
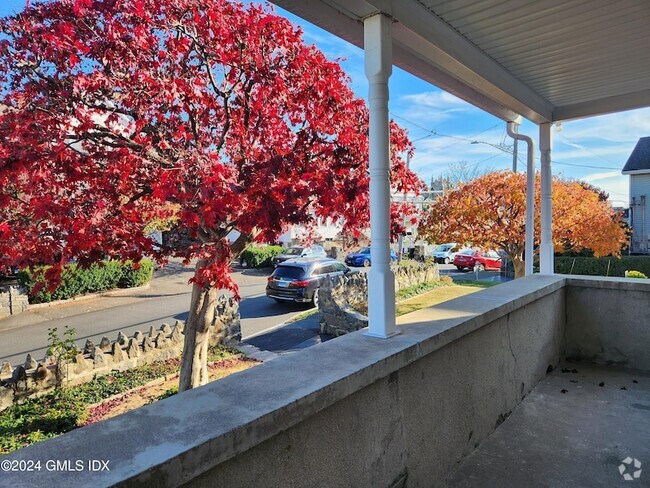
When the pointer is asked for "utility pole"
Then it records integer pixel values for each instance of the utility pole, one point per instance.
(514, 149)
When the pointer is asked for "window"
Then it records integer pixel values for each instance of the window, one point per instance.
(321, 270)
(289, 272)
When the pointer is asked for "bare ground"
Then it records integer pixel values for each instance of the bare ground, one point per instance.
(143, 395)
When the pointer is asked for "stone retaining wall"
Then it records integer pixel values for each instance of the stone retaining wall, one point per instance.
(34, 378)
(341, 299)
(12, 299)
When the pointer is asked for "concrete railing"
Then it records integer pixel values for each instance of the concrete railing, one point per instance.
(356, 411)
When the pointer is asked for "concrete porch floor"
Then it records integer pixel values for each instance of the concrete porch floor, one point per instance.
(576, 438)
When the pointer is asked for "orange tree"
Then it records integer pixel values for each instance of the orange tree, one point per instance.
(490, 212)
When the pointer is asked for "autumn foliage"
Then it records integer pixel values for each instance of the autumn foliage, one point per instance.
(490, 212)
(115, 108)
(117, 113)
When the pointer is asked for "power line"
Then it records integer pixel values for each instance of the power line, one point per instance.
(474, 165)
(434, 131)
(473, 137)
(618, 193)
(585, 149)
(583, 165)
(496, 146)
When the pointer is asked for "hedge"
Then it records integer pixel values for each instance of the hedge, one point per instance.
(608, 266)
(76, 280)
(259, 256)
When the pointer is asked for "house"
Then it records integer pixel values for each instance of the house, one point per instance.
(324, 231)
(638, 167)
(543, 381)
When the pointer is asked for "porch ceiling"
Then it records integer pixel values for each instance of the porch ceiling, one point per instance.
(547, 61)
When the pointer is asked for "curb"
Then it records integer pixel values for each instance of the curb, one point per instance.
(255, 352)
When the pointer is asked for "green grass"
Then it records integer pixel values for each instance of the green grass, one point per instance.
(302, 315)
(441, 294)
(415, 290)
(477, 284)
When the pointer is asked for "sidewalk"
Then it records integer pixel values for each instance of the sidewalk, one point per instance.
(291, 337)
(169, 281)
(166, 300)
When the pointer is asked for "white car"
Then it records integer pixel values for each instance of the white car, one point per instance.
(445, 253)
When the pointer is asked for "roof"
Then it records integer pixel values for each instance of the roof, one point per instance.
(639, 160)
(548, 60)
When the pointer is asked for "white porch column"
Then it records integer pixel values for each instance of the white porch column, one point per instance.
(546, 261)
(381, 280)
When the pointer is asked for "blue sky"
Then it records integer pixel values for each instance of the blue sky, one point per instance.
(593, 149)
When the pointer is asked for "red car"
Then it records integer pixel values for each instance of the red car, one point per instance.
(468, 258)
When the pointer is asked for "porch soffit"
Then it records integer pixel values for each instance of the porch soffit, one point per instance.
(547, 61)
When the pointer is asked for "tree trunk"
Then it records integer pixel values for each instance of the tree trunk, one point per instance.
(520, 267)
(194, 362)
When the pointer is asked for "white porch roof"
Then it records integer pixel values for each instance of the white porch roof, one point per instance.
(547, 60)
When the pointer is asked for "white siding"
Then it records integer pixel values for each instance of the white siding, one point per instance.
(640, 221)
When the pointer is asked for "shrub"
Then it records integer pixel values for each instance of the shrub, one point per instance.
(61, 349)
(636, 274)
(76, 280)
(260, 256)
(136, 274)
(40, 418)
(608, 266)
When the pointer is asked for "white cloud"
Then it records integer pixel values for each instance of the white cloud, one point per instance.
(434, 106)
(622, 127)
(618, 188)
(434, 155)
(437, 99)
(602, 176)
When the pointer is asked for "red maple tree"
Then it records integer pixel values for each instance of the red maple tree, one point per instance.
(119, 112)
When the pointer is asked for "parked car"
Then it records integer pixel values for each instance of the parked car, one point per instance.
(299, 252)
(445, 253)
(362, 257)
(484, 260)
(298, 280)
(489, 260)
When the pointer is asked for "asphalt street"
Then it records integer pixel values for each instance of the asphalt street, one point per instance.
(165, 301)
